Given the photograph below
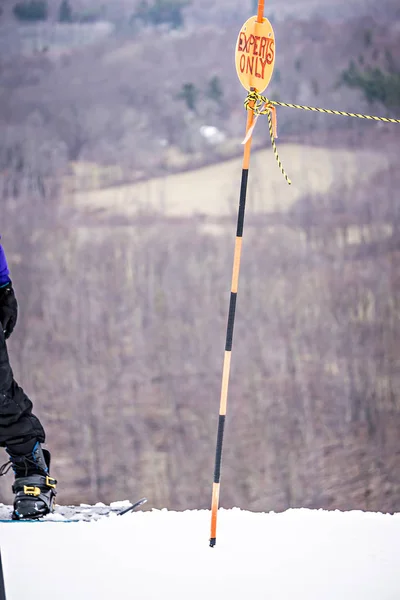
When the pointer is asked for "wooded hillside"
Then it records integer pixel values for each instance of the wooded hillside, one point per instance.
(123, 308)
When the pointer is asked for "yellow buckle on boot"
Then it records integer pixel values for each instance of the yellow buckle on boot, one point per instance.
(31, 490)
(50, 481)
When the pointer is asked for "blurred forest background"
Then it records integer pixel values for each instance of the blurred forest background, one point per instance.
(120, 141)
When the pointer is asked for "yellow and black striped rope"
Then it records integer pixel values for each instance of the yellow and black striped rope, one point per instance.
(262, 106)
(271, 133)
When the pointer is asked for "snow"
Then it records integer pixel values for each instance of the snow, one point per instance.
(299, 554)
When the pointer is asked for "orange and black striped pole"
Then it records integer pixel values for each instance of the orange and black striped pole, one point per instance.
(229, 334)
(246, 57)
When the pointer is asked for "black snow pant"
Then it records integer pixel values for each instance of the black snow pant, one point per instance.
(18, 426)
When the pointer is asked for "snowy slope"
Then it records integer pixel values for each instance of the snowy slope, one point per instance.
(297, 555)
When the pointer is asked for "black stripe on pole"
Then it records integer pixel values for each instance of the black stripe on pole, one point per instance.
(242, 202)
(218, 454)
(231, 322)
(2, 586)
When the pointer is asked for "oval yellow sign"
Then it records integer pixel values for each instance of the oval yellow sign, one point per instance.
(255, 54)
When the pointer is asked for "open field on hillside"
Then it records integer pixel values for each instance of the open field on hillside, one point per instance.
(213, 190)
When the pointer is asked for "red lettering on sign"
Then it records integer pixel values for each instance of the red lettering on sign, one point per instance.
(250, 65)
(270, 54)
(255, 54)
(259, 51)
(241, 42)
(253, 65)
(262, 45)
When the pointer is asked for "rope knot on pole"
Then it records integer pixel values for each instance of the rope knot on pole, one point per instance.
(260, 105)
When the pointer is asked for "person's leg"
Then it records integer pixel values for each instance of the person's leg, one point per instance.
(21, 433)
(17, 423)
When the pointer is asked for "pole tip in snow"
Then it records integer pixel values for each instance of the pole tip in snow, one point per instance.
(132, 507)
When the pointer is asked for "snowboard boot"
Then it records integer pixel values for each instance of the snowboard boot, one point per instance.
(33, 487)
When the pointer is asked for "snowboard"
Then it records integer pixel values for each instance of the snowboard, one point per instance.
(75, 514)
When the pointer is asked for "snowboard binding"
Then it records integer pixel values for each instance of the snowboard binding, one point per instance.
(34, 496)
(33, 487)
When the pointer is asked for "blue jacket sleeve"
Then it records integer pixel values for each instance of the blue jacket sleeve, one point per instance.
(4, 271)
